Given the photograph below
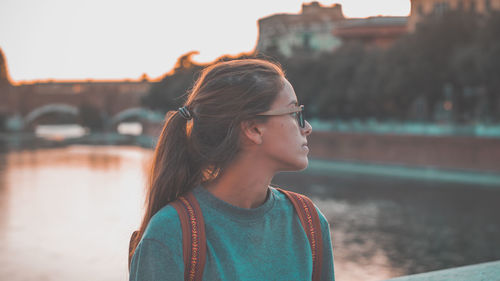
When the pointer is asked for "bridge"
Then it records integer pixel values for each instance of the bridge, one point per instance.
(23, 106)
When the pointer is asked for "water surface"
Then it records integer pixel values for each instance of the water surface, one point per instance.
(67, 213)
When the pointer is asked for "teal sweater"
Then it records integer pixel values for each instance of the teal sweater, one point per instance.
(264, 243)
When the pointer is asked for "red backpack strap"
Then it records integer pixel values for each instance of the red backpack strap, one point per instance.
(194, 242)
(309, 219)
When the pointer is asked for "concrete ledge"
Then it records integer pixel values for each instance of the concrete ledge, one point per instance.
(489, 271)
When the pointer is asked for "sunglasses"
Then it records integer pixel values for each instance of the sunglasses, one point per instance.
(298, 111)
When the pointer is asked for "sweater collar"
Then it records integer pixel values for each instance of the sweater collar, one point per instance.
(208, 199)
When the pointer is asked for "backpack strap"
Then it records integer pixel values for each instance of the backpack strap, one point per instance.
(193, 237)
(309, 219)
(194, 242)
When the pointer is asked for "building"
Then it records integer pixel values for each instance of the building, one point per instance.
(310, 30)
(323, 29)
(372, 31)
(423, 8)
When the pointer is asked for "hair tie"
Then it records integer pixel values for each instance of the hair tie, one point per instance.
(184, 111)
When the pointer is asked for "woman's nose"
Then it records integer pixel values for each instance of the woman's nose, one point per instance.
(307, 130)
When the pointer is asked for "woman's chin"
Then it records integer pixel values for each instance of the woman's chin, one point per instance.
(304, 164)
(300, 165)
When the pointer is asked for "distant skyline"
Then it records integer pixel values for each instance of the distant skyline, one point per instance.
(111, 39)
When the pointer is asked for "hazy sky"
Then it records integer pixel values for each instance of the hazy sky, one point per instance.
(110, 39)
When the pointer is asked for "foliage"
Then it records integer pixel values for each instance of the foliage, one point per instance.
(168, 94)
(4, 75)
(171, 92)
(451, 60)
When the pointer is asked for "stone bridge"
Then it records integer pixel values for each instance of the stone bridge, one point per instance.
(115, 101)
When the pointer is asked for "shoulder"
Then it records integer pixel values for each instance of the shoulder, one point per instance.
(159, 253)
(164, 226)
(282, 198)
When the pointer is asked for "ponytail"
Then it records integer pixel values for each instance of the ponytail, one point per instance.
(173, 172)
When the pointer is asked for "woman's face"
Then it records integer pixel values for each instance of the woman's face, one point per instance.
(283, 141)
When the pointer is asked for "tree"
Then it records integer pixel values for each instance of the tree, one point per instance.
(168, 94)
(4, 85)
(4, 75)
(453, 59)
(489, 44)
(171, 92)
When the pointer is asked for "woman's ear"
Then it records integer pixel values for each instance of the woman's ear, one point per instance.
(252, 132)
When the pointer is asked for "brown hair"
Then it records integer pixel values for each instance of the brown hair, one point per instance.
(192, 152)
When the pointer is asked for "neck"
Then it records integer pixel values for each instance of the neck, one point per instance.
(244, 183)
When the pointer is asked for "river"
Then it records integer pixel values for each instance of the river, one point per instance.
(67, 214)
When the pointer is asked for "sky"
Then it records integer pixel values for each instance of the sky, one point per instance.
(111, 39)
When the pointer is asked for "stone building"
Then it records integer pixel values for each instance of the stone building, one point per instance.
(372, 31)
(324, 28)
(310, 30)
(423, 8)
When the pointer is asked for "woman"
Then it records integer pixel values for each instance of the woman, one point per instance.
(240, 125)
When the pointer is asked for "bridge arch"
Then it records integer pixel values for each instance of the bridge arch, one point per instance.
(140, 113)
(50, 108)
